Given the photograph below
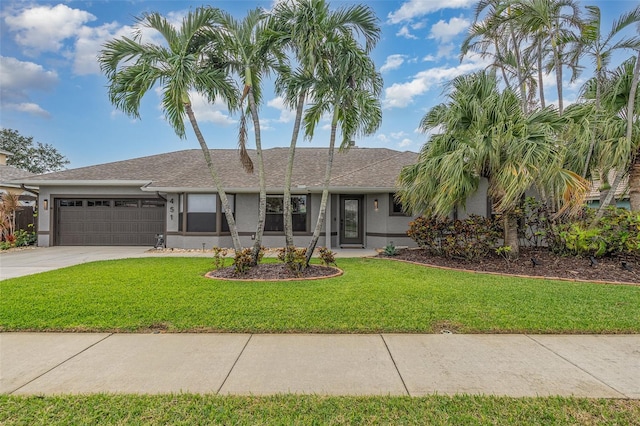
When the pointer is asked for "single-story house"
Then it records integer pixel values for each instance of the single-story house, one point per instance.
(130, 202)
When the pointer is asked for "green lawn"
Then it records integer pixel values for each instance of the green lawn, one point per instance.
(372, 296)
(306, 410)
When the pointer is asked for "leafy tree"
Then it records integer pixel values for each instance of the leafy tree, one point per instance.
(182, 64)
(485, 134)
(306, 27)
(27, 155)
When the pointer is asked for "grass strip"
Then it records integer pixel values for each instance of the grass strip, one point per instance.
(189, 409)
(171, 294)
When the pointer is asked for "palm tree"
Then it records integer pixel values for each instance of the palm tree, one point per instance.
(349, 90)
(247, 51)
(178, 66)
(600, 48)
(549, 22)
(498, 35)
(485, 134)
(621, 101)
(307, 28)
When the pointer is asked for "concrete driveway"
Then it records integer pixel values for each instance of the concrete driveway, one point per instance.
(41, 259)
(33, 260)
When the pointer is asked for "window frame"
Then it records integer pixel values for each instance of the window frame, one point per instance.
(183, 214)
(307, 215)
(392, 204)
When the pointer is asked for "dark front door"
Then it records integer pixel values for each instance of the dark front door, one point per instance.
(351, 223)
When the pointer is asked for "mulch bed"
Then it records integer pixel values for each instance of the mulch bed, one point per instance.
(607, 269)
(274, 272)
(548, 264)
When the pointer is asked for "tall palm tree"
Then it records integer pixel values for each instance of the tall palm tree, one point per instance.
(246, 50)
(497, 33)
(485, 134)
(349, 90)
(178, 66)
(600, 47)
(552, 22)
(307, 28)
(621, 100)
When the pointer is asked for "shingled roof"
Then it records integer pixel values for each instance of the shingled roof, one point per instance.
(9, 173)
(358, 168)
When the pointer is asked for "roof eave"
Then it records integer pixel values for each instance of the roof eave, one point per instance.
(97, 182)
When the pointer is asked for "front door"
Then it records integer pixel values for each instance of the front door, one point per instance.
(351, 223)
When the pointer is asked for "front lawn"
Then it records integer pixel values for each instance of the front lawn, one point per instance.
(372, 296)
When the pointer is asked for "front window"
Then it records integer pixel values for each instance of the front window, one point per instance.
(274, 218)
(395, 206)
(201, 212)
(204, 213)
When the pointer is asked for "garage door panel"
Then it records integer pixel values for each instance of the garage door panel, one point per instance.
(81, 222)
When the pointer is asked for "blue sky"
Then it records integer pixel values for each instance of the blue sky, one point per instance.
(52, 89)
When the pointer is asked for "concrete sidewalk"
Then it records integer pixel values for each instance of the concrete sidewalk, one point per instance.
(598, 366)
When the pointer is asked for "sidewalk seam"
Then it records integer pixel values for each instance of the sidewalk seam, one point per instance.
(395, 365)
(234, 364)
(60, 363)
(578, 367)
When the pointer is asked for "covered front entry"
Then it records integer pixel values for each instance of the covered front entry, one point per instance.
(108, 221)
(351, 233)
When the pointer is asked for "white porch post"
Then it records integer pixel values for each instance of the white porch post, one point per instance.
(327, 223)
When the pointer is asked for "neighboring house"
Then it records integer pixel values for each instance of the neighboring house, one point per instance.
(24, 216)
(8, 176)
(622, 192)
(129, 202)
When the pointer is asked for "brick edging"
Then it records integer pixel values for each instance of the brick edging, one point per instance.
(338, 273)
(448, 268)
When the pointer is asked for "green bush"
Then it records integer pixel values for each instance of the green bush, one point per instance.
(294, 258)
(617, 233)
(242, 261)
(471, 238)
(327, 256)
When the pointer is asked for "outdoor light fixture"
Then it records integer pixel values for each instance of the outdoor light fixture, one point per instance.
(45, 204)
(375, 204)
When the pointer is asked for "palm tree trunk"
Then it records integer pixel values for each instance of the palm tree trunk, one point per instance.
(540, 75)
(325, 191)
(287, 208)
(634, 160)
(262, 205)
(634, 184)
(216, 180)
(511, 235)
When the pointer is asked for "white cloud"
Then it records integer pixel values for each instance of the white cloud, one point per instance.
(446, 50)
(216, 113)
(446, 31)
(416, 8)
(44, 28)
(382, 138)
(18, 78)
(393, 62)
(404, 32)
(429, 58)
(405, 142)
(398, 135)
(400, 95)
(30, 108)
(286, 114)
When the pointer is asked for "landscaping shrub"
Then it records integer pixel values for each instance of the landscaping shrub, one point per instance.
(327, 256)
(471, 238)
(294, 258)
(617, 233)
(242, 261)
